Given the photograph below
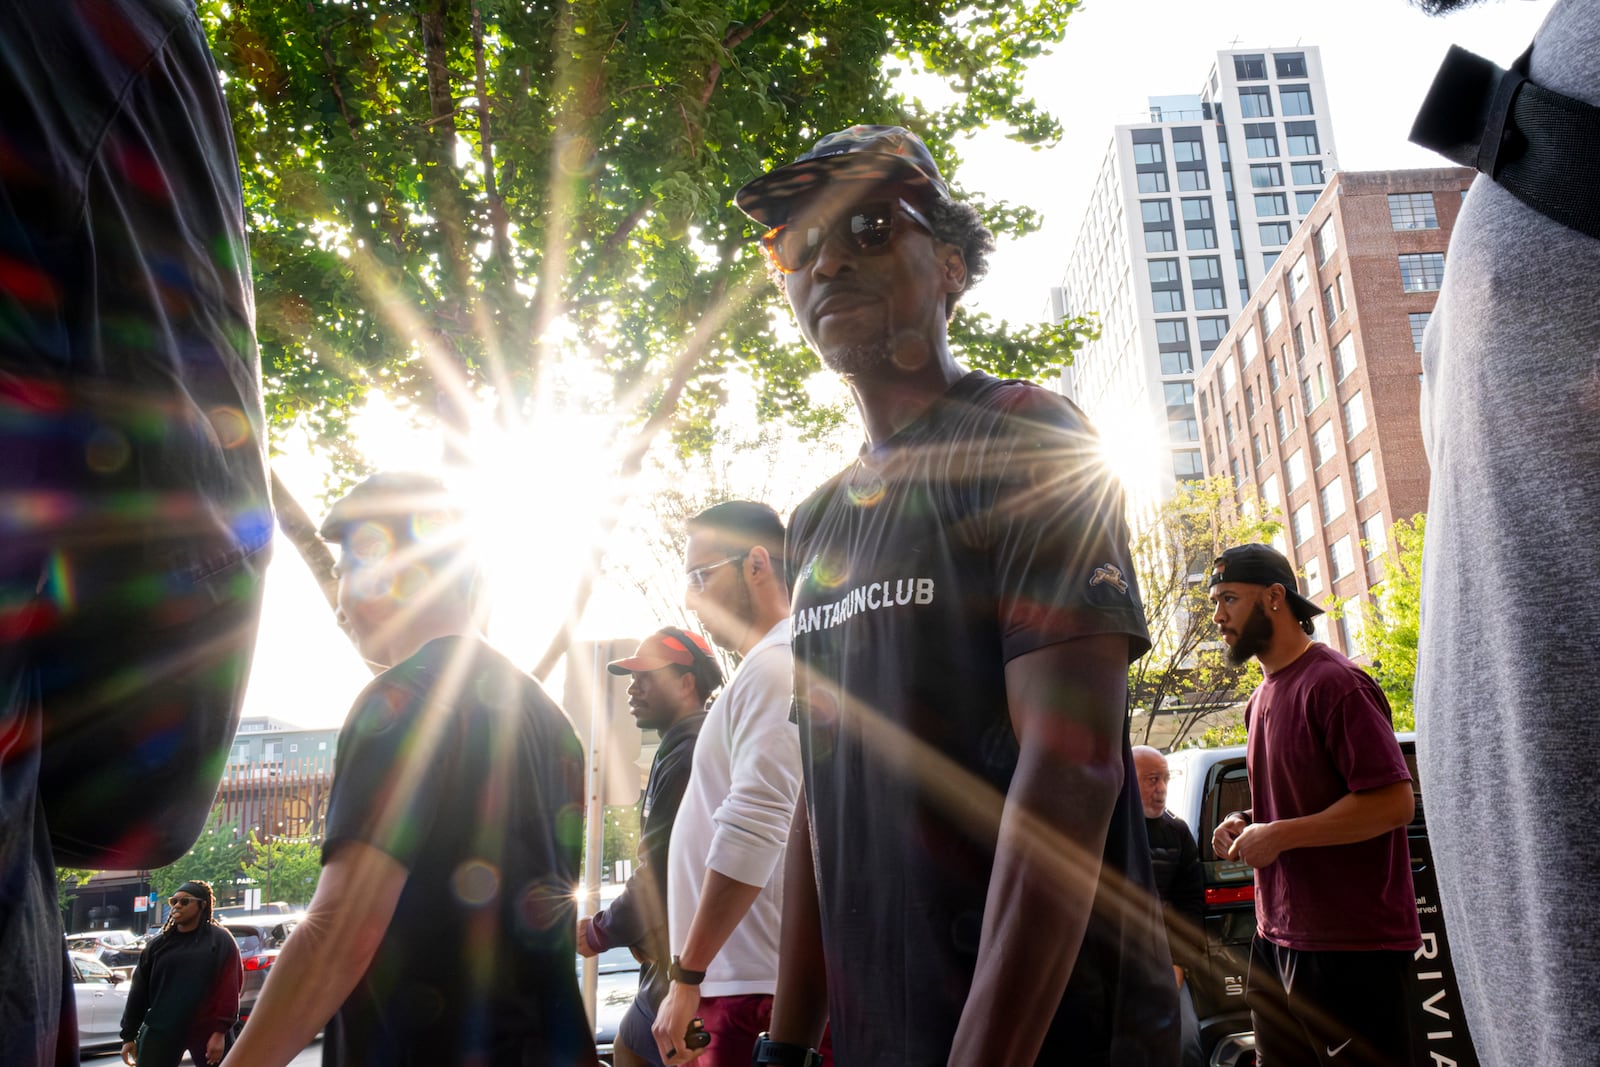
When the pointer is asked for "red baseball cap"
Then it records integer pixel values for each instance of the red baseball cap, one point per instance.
(665, 647)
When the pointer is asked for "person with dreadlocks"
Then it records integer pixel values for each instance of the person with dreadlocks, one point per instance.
(185, 992)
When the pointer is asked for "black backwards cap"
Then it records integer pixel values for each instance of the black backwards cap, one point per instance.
(1258, 564)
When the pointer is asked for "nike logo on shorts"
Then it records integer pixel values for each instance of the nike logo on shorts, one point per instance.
(1334, 1051)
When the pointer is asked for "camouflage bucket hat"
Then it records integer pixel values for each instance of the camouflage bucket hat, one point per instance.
(862, 153)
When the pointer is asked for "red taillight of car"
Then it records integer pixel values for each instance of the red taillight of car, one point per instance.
(1233, 894)
(258, 963)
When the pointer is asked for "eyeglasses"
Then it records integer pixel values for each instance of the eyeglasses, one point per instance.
(181, 902)
(867, 230)
(697, 577)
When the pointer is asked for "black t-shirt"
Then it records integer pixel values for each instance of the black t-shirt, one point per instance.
(984, 530)
(460, 767)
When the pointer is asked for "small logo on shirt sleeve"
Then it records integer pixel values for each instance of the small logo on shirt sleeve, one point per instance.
(1109, 574)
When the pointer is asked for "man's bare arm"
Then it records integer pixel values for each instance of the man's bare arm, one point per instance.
(800, 1008)
(329, 952)
(1067, 703)
(1353, 817)
(723, 904)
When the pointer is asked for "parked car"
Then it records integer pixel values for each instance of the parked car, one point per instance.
(101, 994)
(114, 948)
(614, 991)
(1206, 785)
(242, 911)
(259, 939)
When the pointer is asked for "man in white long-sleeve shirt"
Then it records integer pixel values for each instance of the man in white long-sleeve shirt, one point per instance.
(724, 891)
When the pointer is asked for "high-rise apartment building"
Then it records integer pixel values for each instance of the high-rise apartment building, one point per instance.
(1190, 210)
(1312, 397)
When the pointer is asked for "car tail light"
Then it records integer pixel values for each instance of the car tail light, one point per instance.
(258, 963)
(1231, 894)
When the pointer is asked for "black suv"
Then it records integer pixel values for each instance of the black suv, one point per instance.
(1206, 785)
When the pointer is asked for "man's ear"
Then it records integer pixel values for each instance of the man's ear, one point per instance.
(760, 562)
(953, 268)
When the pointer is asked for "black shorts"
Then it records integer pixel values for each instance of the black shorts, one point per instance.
(1329, 1009)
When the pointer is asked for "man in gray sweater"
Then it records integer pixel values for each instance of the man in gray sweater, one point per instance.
(1507, 669)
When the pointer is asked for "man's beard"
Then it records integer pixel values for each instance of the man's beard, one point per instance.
(1443, 7)
(864, 357)
(1254, 637)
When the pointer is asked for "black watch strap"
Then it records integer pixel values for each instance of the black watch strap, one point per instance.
(770, 1053)
(676, 973)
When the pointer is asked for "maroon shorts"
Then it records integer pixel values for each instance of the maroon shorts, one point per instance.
(734, 1023)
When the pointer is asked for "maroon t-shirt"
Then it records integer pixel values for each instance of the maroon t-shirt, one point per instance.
(1320, 728)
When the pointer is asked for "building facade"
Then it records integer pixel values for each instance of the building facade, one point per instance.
(263, 742)
(1189, 211)
(1311, 401)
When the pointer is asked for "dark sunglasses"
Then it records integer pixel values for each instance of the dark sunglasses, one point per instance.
(867, 230)
(181, 902)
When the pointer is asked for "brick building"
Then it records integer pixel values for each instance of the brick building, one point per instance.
(1312, 398)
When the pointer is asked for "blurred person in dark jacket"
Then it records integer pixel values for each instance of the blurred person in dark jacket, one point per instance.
(133, 478)
(1180, 882)
(185, 992)
(673, 676)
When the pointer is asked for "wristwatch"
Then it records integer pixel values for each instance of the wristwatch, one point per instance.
(770, 1053)
(677, 974)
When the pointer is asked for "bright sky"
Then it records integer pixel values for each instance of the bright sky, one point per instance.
(1379, 57)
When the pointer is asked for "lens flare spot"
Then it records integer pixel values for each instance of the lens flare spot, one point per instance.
(411, 582)
(230, 426)
(107, 451)
(475, 883)
(829, 571)
(867, 494)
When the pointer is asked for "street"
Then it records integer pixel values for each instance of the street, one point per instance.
(311, 1057)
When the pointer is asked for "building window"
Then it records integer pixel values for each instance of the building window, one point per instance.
(1148, 153)
(1299, 281)
(1182, 431)
(1294, 470)
(1228, 377)
(1314, 389)
(1160, 241)
(1186, 465)
(1343, 557)
(1355, 416)
(1155, 210)
(1255, 103)
(1419, 326)
(1301, 524)
(1327, 241)
(1422, 273)
(1193, 181)
(1248, 348)
(1272, 372)
(1167, 300)
(1255, 449)
(1153, 181)
(1290, 64)
(1296, 99)
(1172, 339)
(1304, 201)
(1344, 357)
(272, 752)
(1306, 173)
(1269, 491)
(1197, 209)
(1227, 423)
(1374, 537)
(1299, 343)
(1275, 233)
(1270, 204)
(1260, 140)
(1366, 476)
(1302, 138)
(1332, 499)
(1198, 237)
(1206, 272)
(1269, 260)
(1322, 443)
(1166, 285)
(1250, 68)
(1211, 331)
(1313, 576)
(1187, 151)
(1412, 211)
(1330, 311)
(1266, 175)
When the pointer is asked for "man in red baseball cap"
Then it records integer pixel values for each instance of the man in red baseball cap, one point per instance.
(674, 675)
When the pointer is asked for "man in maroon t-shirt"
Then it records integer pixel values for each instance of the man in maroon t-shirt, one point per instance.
(1336, 918)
